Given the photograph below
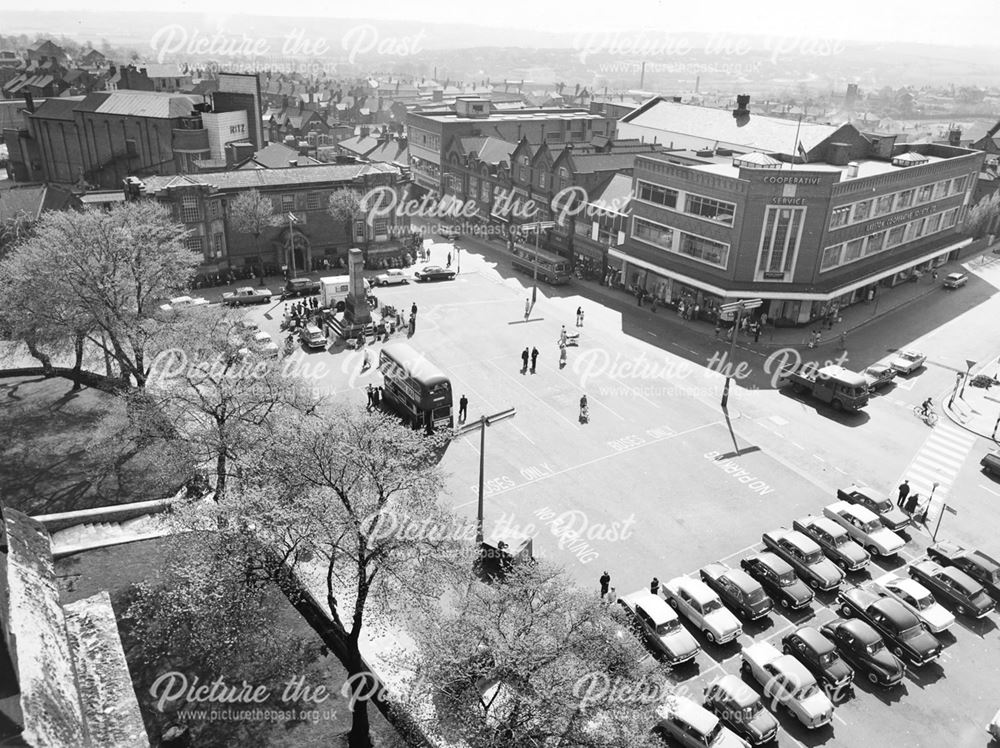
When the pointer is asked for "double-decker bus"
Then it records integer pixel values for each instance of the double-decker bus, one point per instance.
(552, 268)
(415, 388)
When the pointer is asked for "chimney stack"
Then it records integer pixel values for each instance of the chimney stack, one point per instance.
(29, 102)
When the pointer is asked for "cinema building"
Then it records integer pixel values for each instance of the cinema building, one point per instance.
(807, 217)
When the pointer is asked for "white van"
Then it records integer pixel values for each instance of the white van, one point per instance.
(333, 291)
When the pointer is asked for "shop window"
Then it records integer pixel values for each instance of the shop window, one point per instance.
(831, 257)
(895, 236)
(705, 250)
(852, 250)
(904, 199)
(839, 217)
(875, 243)
(653, 233)
(660, 195)
(713, 210)
(862, 209)
(780, 239)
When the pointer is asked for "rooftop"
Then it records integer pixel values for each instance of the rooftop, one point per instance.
(518, 115)
(264, 178)
(147, 104)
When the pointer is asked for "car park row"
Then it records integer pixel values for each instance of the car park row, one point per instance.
(883, 626)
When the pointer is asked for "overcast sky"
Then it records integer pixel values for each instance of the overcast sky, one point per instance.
(973, 22)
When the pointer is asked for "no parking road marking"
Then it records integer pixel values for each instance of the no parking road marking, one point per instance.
(738, 473)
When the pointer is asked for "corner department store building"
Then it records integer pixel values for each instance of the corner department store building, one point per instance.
(808, 217)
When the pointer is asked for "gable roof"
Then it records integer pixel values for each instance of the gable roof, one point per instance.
(61, 108)
(277, 156)
(392, 151)
(31, 200)
(689, 126)
(488, 149)
(361, 145)
(615, 195)
(147, 104)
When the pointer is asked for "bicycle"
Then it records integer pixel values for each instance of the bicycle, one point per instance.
(929, 417)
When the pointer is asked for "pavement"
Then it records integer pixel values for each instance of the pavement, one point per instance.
(977, 409)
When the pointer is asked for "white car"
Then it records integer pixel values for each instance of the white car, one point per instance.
(865, 527)
(907, 361)
(787, 681)
(659, 626)
(696, 601)
(265, 345)
(993, 728)
(915, 597)
(955, 280)
(693, 726)
(183, 302)
(393, 277)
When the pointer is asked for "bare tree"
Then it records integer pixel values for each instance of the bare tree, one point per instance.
(107, 270)
(253, 213)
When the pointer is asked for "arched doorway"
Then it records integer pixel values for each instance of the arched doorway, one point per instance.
(297, 252)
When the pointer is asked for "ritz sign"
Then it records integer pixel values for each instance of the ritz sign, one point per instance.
(237, 129)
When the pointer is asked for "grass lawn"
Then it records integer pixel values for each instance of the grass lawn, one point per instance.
(62, 451)
(325, 724)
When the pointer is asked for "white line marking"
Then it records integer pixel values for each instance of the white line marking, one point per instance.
(985, 488)
(819, 458)
(526, 389)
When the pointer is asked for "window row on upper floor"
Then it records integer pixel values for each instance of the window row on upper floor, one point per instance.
(864, 210)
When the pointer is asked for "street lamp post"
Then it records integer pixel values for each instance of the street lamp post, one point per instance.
(481, 424)
(968, 373)
(738, 307)
(534, 262)
(291, 243)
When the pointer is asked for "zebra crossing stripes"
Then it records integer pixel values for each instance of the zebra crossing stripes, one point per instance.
(939, 460)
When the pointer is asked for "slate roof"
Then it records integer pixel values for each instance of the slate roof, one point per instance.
(61, 108)
(31, 200)
(588, 163)
(147, 104)
(760, 133)
(391, 152)
(615, 195)
(264, 178)
(277, 156)
(489, 150)
(359, 145)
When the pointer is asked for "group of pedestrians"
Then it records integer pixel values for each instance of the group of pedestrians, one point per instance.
(300, 313)
(911, 504)
(608, 592)
(374, 397)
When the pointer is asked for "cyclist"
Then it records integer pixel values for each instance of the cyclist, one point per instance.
(926, 407)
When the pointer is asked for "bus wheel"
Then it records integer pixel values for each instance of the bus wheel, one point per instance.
(340, 306)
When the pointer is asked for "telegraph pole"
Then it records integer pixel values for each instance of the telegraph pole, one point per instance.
(481, 424)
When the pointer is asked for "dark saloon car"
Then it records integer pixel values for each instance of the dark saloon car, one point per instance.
(976, 564)
(433, 273)
(739, 708)
(955, 587)
(888, 513)
(806, 557)
(300, 287)
(861, 645)
(902, 630)
(819, 655)
(738, 590)
(778, 580)
(835, 542)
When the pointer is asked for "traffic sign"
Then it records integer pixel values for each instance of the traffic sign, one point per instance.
(969, 364)
(538, 225)
(744, 305)
(950, 510)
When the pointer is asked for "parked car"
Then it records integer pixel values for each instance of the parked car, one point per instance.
(865, 527)
(949, 583)
(391, 277)
(976, 564)
(740, 709)
(916, 598)
(806, 557)
(449, 233)
(658, 625)
(693, 726)
(991, 463)
(888, 513)
(901, 629)
(433, 273)
(247, 295)
(865, 650)
(907, 361)
(878, 375)
(955, 280)
(738, 590)
(183, 302)
(835, 542)
(778, 580)
(993, 728)
(695, 600)
(820, 657)
(265, 345)
(313, 337)
(300, 287)
(785, 679)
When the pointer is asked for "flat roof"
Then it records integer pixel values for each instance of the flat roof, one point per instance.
(515, 115)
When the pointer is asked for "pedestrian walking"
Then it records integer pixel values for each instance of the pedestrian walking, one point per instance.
(378, 396)
(562, 336)
(371, 396)
(413, 325)
(652, 305)
(524, 359)
(934, 275)
(611, 595)
(718, 329)
(448, 264)
(763, 318)
(562, 355)
(584, 410)
(605, 584)
(756, 332)
(534, 358)
(463, 408)
(654, 586)
(367, 361)
(911, 504)
(527, 309)
(843, 341)
(638, 297)
(904, 490)
(413, 310)
(579, 316)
